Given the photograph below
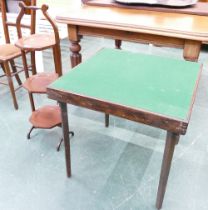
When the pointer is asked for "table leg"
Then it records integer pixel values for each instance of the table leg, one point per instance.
(191, 50)
(118, 44)
(65, 130)
(171, 140)
(106, 120)
(75, 56)
(75, 47)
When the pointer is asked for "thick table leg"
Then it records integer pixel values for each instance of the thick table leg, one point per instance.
(65, 129)
(76, 57)
(118, 44)
(191, 50)
(171, 140)
(74, 38)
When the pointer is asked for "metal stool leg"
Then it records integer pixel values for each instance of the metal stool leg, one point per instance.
(28, 135)
(59, 145)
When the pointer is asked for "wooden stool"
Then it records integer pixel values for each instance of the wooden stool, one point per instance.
(38, 42)
(9, 52)
(45, 117)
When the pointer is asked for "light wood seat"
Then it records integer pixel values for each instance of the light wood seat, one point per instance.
(36, 41)
(8, 52)
(46, 117)
(38, 83)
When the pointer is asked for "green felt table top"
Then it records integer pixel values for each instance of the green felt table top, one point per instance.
(160, 85)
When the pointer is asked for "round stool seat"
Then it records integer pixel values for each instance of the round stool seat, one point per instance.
(46, 117)
(36, 42)
(38, 83)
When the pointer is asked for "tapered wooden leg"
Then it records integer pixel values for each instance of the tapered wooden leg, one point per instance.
(57, 59)
(118, 44)
(10, 82)
(14, 71)
(33, 63)
(75, 56)
(65, 129)
(171, 140)
(106, 120)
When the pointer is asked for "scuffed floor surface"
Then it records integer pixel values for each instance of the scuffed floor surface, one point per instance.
(115, 168)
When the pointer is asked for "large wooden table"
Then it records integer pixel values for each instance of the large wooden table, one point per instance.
(168, 29)
(122, 83)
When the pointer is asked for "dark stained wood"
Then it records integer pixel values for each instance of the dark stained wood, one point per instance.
(65, 129)
(171, 140)
(118, 43)
(106, 120)
(32, 104)
(142, 116)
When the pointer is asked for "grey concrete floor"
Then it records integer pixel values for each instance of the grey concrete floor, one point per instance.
(112, 168)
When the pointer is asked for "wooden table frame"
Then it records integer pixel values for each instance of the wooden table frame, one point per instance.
(191, 48)
(163, 29)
